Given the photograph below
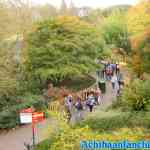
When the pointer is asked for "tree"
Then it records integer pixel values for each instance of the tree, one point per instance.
(139, 27)
(141, 53)
(115, 32)
(138, 18)
(62, 48)
(137, 95)
(8, 82)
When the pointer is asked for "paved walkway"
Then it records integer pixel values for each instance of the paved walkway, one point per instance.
(14, 139)
(109, 96)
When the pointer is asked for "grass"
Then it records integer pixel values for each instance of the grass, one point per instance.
(44, 145)
(110, 121)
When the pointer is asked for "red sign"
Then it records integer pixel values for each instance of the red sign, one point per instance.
(37, 117)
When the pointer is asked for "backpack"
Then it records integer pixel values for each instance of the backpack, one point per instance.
(79, 106)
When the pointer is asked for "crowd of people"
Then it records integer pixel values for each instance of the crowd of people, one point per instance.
(85, 100)
(111, 72)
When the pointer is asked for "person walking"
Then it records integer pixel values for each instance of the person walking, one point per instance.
(79, 107)
(113, 81)
(27, 146)
(68, 106)
(91, 101)
(109, 72)
(113, 68)
(98, 96)
(117, 68)
(120, 79)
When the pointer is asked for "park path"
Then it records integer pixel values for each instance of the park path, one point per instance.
(107, 100)
(14, 139)
(109, 96)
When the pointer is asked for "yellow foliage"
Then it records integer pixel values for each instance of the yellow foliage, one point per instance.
(138, 18)
(140, 47)
(136, 63)
(69, 138)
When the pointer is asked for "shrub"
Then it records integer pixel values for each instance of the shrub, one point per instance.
(134, 97)
(137, 95)
(118, 121)
(9, 118)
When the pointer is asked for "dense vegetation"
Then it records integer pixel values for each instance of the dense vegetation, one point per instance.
(63, 47)
(136, 96)
(36, 51)
(126, 33)
(115, 32)
(49, 48)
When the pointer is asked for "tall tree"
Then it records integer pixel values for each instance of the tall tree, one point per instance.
(8, 82)
(62, 48)
(138, 17)
(141, 52)
(115, 31)
(139, 26)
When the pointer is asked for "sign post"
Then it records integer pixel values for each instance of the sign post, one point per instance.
(36, 117)
(33, 133)
(28, 116)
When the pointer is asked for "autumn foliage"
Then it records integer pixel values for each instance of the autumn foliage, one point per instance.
(139, 28)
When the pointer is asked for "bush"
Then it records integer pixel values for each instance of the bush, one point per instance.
(9, 118)
(7, 100)
(134, 97)
(137, 95)
(118, 121)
